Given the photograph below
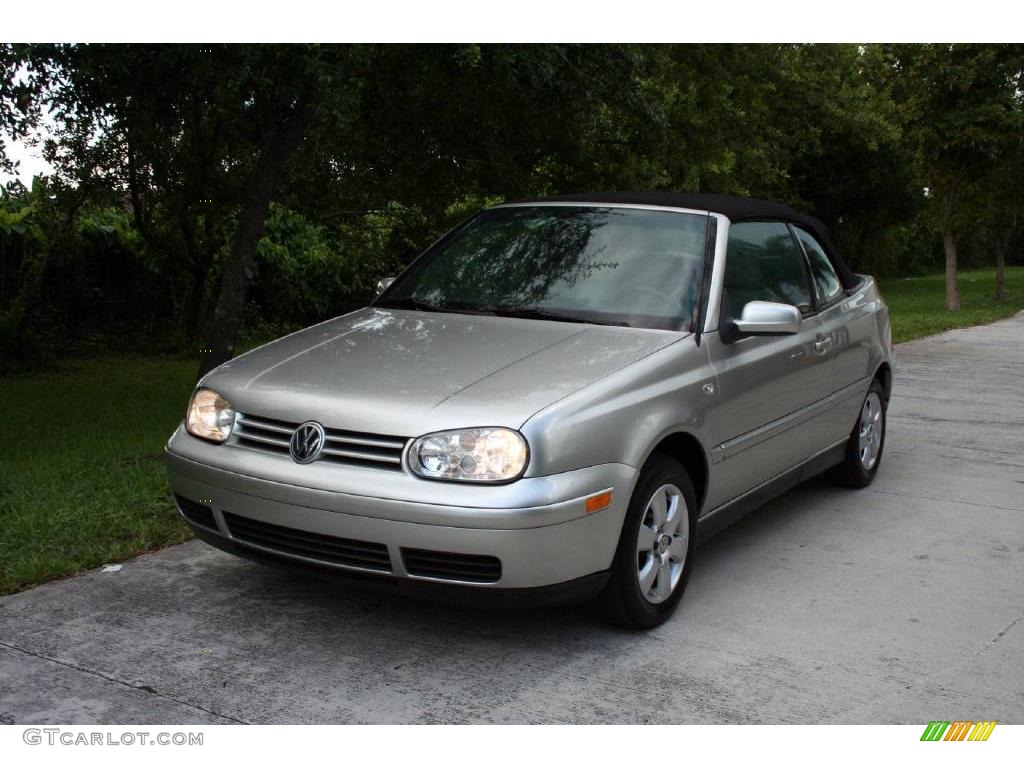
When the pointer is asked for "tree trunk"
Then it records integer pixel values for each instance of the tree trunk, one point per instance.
(952, 287)
(1001, 245)
(949, 245)
(229, 310)
(191, 320)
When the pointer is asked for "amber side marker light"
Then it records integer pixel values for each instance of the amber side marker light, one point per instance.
(599, 501)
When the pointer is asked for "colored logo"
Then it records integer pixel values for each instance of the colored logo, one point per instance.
(958, 730)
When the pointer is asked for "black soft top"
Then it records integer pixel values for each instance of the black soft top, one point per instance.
(735, 208)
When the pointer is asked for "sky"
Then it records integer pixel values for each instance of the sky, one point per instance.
(30, 160)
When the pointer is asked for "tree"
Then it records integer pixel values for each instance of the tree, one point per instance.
(958, 100)
(23, 253)
(999, 203)
(19, 101)
(843, 145)
(367, 152)
(195, 136)
(1005, 205)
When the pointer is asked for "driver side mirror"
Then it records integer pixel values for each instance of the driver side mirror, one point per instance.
(768, 318)
(383, 284)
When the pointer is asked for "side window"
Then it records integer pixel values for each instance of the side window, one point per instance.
(826, 282)
(764, 263)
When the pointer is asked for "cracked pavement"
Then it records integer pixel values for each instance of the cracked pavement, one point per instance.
(902, 603)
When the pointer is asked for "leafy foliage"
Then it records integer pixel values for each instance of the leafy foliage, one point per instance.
(204, 194)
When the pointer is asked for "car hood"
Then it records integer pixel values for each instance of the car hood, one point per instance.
(402, 372)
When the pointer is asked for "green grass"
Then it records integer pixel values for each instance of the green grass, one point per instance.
(81, 468)
(82, 478)
(918, 309)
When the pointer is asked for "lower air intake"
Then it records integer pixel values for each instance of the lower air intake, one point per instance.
(315, 546)
(482, 569)
(197, 513)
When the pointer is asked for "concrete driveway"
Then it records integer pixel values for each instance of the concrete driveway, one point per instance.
(902, 603)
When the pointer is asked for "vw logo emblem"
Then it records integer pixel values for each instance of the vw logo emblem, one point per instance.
(307, 442)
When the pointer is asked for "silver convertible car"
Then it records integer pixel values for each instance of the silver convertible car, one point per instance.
(555, 401)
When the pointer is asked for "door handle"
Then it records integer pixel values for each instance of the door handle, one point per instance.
(822, 345)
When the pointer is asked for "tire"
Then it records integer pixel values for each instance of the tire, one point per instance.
(633, 596)
(867, 440)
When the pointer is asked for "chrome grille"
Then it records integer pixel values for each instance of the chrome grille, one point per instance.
(340, 447)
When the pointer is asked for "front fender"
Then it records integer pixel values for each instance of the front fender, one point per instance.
(621, 418)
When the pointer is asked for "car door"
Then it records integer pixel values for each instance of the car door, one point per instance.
(771, 390)
(852, 326)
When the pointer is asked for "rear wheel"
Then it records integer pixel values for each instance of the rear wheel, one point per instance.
(864, 448)
(656, 547)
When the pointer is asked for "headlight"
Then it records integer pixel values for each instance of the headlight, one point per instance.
(484, 455)
(210, 416)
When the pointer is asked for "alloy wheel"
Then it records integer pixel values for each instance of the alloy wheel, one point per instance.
(662, 543)
(870, 430)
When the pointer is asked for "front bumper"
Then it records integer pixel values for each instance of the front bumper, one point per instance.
(577, 590)
(552, 541)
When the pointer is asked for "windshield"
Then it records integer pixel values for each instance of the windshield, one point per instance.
(615, 266)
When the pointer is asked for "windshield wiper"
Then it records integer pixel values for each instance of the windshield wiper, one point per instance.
(410, 303)
(495, 310)
(535, 313)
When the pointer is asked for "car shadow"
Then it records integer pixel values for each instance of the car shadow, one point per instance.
(307, 594)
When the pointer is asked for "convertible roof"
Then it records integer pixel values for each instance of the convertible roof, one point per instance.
(736, 208)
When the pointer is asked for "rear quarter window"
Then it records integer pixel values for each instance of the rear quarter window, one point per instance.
(826, 282)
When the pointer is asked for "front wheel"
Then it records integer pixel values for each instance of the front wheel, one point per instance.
(656, 547)
(864, 448)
